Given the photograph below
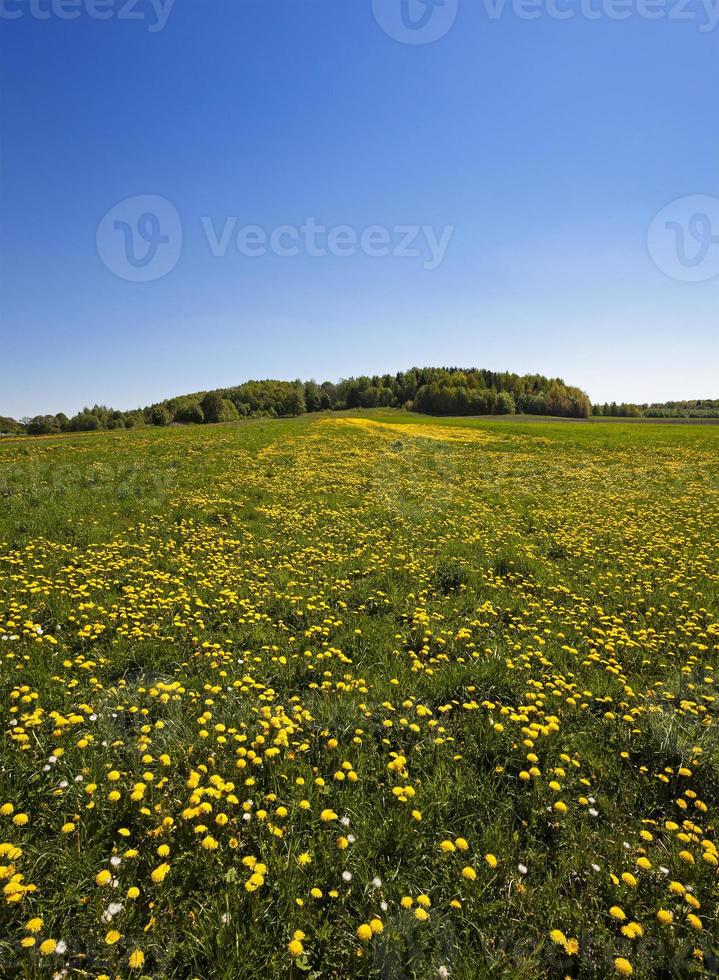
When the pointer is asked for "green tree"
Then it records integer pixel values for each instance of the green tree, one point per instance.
(504, 405)
(229, 411)
(42, 425)
(84, 421)
(213, 406)
(191, 413)
(160, 415)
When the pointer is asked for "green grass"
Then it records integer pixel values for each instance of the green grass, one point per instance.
(348, 589)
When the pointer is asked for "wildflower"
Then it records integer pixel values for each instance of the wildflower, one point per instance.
(623, 966)
(469, 873)
(491, 860)
(160, 873)
(295, 948)
(364, 932)
(137, 959)
(112, 937)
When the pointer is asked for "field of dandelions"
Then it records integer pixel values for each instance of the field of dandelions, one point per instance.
(371, 695)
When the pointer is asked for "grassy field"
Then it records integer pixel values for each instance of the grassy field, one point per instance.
(367, 695)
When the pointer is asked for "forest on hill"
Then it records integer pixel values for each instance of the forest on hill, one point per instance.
(434, 391)
(431, 391)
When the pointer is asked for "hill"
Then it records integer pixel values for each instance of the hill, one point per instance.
(433, 391)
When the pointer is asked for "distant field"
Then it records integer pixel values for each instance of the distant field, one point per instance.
(592, 420)
(361, 695)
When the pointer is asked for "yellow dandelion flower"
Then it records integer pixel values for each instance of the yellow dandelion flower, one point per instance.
(137, 959)
(160, 873)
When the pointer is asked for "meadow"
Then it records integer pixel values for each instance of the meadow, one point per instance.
(360, 695)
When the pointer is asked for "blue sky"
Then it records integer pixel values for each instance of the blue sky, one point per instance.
(544, 147)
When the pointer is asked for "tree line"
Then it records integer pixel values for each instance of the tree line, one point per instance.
(432, 391)
(696, 408)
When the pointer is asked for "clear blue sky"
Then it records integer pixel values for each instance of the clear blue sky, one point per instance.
(548, 146)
